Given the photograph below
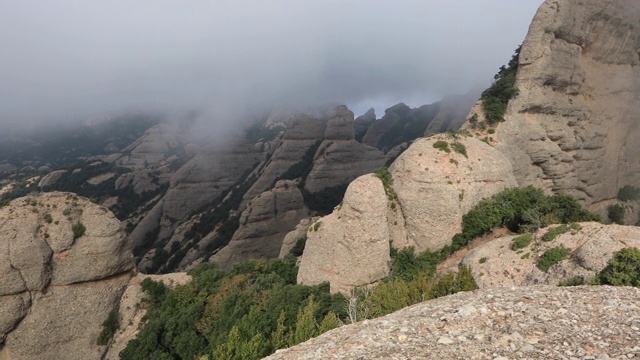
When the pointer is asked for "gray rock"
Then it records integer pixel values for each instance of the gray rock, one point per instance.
(435, 189)
(349, 247)
(596, 322)
(57, 288)
(570, 129)
(264, 224)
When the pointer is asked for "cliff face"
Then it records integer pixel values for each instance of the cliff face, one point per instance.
(573, 127)
(58, 283)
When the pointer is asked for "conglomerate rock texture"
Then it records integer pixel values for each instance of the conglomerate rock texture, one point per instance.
(574, 125)
(546, 322)
(57, 285)
(428, 192)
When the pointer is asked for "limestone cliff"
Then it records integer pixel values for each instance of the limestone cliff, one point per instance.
(64, 262)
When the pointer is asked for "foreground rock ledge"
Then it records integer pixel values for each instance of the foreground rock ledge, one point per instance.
(587, 322)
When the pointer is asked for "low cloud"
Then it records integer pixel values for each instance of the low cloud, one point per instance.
(70, 59)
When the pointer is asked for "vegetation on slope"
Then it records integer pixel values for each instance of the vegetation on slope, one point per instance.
(520, 210)
(244, 313)
(256, 307)
(496, 97)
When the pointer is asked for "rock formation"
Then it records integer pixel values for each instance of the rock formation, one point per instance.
(64, 262)
(502, 323)
(264, 224)
(591, 248)
(573, 126)
(349, 247)
(436, 187)
(340, 158)
(432, 184)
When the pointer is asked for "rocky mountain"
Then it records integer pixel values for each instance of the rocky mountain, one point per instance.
(303, 185)
(555, 134)
(184, 200)
(64, 264)
(498, 323)
(571, 127)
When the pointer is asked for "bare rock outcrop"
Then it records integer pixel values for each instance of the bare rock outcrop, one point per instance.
(58, 249)
(264, 224)
(436, 187)
(299, 233)
(573, 126)
(151, 149)
(543, 322)
(432, 185)
(591, 248)
(291, 154)
(349, 247)
(340, 158)
(196, 184)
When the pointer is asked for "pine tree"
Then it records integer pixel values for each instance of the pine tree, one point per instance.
(306, 325)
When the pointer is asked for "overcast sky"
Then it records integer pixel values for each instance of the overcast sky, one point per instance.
(69, 59)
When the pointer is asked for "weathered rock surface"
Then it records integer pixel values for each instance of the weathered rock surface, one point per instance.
(151, 149)
(292, 237)
(399, 124)
(593, 322)
(196, 184)
(340, 158)
(435, 188)
(291, 154)
(572, 127)
(264, 224)
(430, 191)
(591, 248)
(44, 268)
(349, 247)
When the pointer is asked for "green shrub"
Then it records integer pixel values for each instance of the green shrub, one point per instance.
(482, 260)
(442, 145)
(572, 281)
(495, 98)
(615, 213)
(628, 193)
(298, 248)
(554, 232)
(78, 230)
(453, 283)
(525, 256)
(459, 148)
(623, 269)
(48, 218)
(405, 264)
(109, 327)
(521, 242)
(519, 209)
(552, 257)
